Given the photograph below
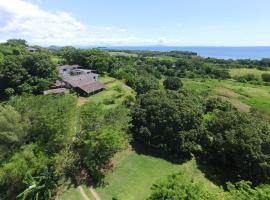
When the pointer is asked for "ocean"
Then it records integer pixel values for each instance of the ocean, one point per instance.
(214, 52)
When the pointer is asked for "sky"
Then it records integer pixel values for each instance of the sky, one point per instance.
(137, 22)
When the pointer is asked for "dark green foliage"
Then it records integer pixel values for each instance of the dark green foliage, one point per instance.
(239, 144)
(145, 84)
(173, 83)
(246, 78)
(266, 77)
(40, 187)
(88, 58)
(26, 74)
(217, 104)
(168, 121)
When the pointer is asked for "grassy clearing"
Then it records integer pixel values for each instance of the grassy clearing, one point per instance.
(245, 71)
(115, 93)
(119, 53)
(134, 174)
(242, 95)
(71, 194)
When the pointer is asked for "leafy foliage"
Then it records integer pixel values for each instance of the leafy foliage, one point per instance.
(239, 144)
(13, 130)
(168, 121)
(145, 84)
(173, 83)
(179, 186)
(40, 187)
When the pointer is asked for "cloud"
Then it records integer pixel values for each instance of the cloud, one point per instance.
(22, 19)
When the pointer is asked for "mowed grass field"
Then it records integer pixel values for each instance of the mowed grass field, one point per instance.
(245, 71)
(244, 96)
(134, 174)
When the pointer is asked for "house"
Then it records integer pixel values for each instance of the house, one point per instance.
(83, 81)
(32, 49)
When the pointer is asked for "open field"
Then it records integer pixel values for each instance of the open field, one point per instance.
(119, 53)
(134, 174)
(245, 71)
(241, 95)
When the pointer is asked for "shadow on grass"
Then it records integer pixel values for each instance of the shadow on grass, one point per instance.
(218, 176)
(141, 148)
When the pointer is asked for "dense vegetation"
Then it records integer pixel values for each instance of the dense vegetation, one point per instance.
(50, 141)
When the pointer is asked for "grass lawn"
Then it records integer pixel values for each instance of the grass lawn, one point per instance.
(244, 71)
(119, 53)
(71, 194)
(240, 94)
(134, 174)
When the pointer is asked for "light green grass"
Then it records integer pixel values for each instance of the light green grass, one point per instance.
(71, 194)
(134, 175)
(245, 71)
(256, 96)
(119, 53)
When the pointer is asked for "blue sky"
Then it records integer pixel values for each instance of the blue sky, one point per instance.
(137, 22)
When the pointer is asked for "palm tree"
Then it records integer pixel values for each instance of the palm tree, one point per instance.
(40, 187)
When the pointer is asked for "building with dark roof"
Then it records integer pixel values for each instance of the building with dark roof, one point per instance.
(83, 81)
(32, 49)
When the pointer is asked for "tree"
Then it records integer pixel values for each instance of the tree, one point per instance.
(239, 144)
(40, 187)
(173, 83)
(266, 77)
(217, 104)
(28, 160)
(168, 121)
(179, 186)
(50, 117)
(13, 130)
(27, 73)
(145, 84)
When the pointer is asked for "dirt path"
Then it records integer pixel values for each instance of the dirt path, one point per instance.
(94, 193)
(85, 197)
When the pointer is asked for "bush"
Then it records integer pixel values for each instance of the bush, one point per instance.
(109, 101)
(217, 104)
(266, 77)
(179, 186)
(173, 83)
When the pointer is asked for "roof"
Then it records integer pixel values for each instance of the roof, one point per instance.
(55, 91)
(68, 67)
(92, 87)
(77, 80)
(31, 49)
(59, 84)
